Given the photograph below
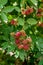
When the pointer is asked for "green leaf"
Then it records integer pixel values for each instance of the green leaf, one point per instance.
(5, 45)
(40, 42)
(11, 48)
(10, 17)
(8, 9)
(41, 62)
(25, 26)
(34, 2)
(1, 6)
(42, 51)
(22, 3)
(21, 21)
(17, 9)
(31, 21)
(4, 17)
(16, 54)
(3, 2)
(38, 55)
(22, 55)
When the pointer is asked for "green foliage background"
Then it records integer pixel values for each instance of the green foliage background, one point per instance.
(9, 11)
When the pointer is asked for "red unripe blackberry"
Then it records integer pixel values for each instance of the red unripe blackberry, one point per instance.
(23, 11)
(29, 11)
(39, 15)
(23, 33)
(13, 22)
(42, 0)
(40, 10)
(20, 46)
(24, 41)
(40, 24)
(18, 34)
(26, 47)
(17, 41)
(29, 40)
